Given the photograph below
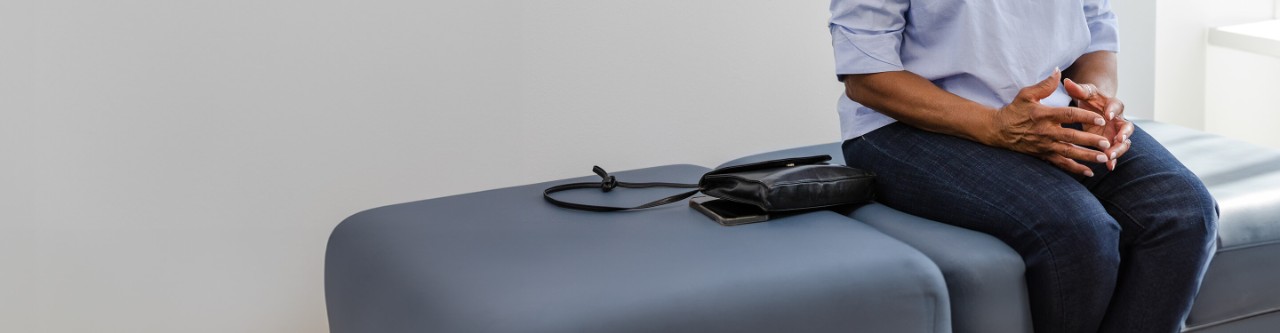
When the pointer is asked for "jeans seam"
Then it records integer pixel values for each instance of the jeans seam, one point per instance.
(1124, 212)
(1121, 209)
(1057, 288)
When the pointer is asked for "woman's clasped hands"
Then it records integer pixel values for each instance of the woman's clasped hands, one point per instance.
(1029, 127)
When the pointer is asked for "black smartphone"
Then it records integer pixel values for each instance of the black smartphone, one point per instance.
(728, 213)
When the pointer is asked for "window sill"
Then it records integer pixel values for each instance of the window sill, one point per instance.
(1257, 37)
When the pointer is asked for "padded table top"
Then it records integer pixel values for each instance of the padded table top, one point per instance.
(1243, 178)
(504, 260)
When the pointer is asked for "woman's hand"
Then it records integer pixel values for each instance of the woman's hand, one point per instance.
(1035, 129)
(1117, 129)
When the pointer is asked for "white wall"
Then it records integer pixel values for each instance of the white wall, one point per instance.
(1181, 54)
(176, 166)
(1240, 87)
(1241, 95)
(1137, 49)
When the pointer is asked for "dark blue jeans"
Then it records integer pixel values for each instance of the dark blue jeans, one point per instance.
(1123, 251)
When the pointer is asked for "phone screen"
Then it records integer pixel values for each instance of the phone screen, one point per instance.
(727, 212)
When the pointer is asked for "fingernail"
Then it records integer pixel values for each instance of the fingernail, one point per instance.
(1113, 155)
(1099, 121)
(1088, 173)
(1056, 69)
(1104, 144)
(1111, 115)
(1124, 137)
(1102, 158)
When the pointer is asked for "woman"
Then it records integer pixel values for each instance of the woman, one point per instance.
(961, 109)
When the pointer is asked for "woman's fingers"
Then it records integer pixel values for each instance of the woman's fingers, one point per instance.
(1125, 131)
(1069, 115)
(1079, 91)
(1122, 139)
(1120, 130)
(1042, 89)
(1114, 108)
(1079, 137)
(1118, 151)
(1068, 165)
(1078, 153)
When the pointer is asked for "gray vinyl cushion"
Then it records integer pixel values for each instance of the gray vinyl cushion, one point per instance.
(1245, 179)
(984, 277)
(988, 292)
(506, 261)
(1240, 284)
(1263, 323)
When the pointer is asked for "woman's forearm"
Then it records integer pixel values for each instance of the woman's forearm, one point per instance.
(914, 100)
(1024, 125)
(1097, 68)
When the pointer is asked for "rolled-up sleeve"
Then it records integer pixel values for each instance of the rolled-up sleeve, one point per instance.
(867, 35)
(1103, 28)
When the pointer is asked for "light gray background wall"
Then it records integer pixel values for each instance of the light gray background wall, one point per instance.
(1240, 95)
(1240, 87)
(1182, 64)
(176, 166)
(1137, 52)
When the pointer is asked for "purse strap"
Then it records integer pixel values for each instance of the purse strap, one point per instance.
(608, 183)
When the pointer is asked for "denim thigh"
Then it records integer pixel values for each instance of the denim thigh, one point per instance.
(1066, 237)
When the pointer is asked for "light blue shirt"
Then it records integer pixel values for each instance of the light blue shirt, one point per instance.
(982, 50)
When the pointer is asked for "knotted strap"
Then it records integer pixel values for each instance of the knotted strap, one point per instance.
(608, 183)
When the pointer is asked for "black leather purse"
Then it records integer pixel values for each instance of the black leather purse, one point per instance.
(783, 185)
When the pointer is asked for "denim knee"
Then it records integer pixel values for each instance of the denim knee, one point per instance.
(1072, 276)
(1189, 215)
(1194, 222)
(1086, 241)
(1090, 241)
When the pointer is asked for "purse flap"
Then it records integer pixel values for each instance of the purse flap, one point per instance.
(807, 160)
(789, 184)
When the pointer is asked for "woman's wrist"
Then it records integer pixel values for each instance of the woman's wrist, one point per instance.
(982, 126)
(1097, 68)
